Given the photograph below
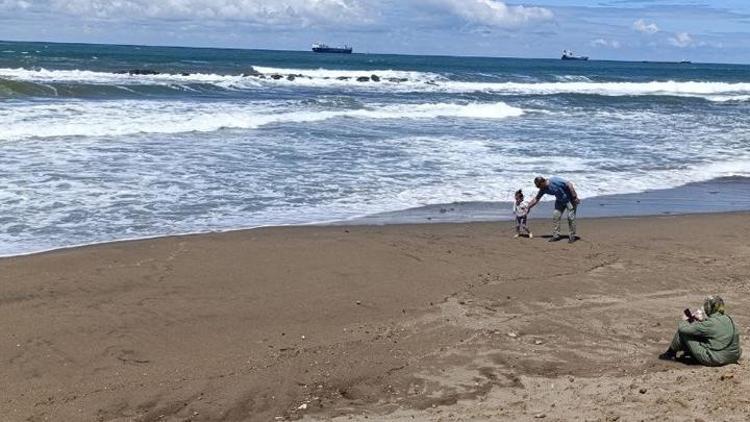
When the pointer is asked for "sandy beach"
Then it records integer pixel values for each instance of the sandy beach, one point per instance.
(402, 322)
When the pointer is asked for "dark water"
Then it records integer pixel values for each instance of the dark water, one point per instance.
(102, 143)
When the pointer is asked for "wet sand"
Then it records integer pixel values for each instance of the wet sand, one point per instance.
(412, 322)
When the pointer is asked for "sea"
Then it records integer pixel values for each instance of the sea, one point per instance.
(102, 143)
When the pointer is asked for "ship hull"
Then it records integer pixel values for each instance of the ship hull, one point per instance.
(332, 50)
(580, 58)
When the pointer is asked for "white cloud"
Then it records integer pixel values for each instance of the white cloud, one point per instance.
(601, 42)
(681, 39)
(14, 4)
(493, 13)
(277, 12)
(337, 13)
(647, 28)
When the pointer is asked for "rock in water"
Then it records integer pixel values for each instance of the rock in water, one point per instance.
(252, 72)
(375, 78)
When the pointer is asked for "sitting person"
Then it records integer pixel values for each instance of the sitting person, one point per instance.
(710, 337)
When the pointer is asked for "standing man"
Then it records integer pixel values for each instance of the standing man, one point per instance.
(566, 198)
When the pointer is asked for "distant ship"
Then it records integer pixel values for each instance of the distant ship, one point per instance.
(569, 55)
(685, 62)
(322, 48)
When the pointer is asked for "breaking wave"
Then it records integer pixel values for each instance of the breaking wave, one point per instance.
(131, 117)
(73, 83)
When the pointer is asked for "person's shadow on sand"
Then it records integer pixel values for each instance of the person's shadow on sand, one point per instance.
(562, 236)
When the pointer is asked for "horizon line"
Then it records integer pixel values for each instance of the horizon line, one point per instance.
(365, 53)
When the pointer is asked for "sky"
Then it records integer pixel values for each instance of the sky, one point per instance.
(701, 31)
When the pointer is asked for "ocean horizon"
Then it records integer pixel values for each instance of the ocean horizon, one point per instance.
(378, 53)
(110, 142)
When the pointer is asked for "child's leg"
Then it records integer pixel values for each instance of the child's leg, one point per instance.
(525, 225)
(519, 224)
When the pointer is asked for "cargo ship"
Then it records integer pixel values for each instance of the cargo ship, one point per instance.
(322, 48)
(569, 55)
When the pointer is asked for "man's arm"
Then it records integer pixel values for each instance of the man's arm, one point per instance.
(534, 201)
(573, 194)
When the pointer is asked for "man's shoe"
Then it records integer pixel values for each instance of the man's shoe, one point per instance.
(554, 239)
(572, 238)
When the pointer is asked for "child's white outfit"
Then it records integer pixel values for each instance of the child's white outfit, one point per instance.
(521, 211)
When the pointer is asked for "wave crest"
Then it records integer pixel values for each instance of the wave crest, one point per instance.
(131, 117)
(57, 83)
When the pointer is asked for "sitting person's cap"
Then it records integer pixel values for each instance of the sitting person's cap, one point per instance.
(713, 304)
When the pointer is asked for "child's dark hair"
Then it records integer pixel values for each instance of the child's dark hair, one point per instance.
(519, 193)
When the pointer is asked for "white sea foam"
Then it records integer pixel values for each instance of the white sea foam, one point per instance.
(392, 80)
(86, 191)
(107, 78)
(117, 118)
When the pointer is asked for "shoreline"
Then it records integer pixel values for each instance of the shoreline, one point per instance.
(386, 322)
(729, 195)
(346, 224)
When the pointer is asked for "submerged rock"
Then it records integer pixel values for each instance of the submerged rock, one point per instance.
(342, 78)
(138, 72)
(375, 78)
(276, 76)
(363, 79)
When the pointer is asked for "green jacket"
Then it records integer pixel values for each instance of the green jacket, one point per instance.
(714, 341)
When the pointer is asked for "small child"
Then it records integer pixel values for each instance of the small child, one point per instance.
(521, 210)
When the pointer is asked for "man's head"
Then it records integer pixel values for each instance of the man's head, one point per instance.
(540, 182)
(713, 304)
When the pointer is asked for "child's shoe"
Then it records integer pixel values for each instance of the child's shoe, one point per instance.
(516, 235)
(531, 235)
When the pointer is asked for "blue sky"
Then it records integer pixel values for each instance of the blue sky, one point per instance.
(715, 31)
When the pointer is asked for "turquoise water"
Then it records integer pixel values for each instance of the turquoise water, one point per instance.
(103, 143)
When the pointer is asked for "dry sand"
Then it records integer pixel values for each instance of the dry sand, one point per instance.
(424, 322)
